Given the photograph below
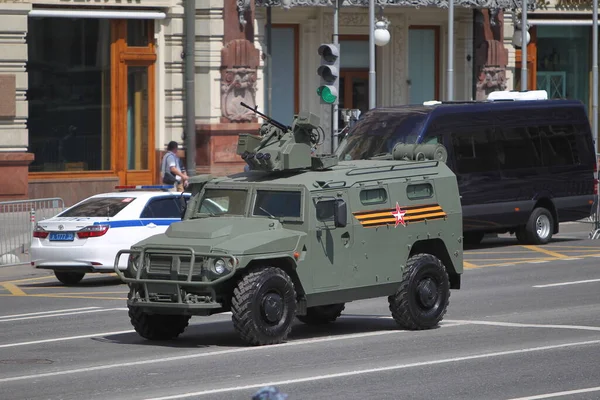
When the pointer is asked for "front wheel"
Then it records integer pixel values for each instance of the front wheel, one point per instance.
(264, 306)
(69, 278)
(423, 296)
(322, 314)
(157, 326)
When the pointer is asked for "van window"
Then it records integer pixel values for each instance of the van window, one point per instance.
(556, 144)
(380, 130)
(473, 151)
(515, 148)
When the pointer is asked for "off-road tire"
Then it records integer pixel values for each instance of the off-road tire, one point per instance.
(322, 314)
(69, 278)
(423, 295)
(157, 326)
(259, 325)
(539, 227)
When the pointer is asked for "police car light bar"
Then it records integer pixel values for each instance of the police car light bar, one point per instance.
(142, 187)
(518, 95)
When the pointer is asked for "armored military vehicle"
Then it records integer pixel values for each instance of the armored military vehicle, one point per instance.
(299, 235)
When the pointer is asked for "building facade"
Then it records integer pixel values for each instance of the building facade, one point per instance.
(559, 52)
(93, 94)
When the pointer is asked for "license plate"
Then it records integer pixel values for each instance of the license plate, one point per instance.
(62, 236)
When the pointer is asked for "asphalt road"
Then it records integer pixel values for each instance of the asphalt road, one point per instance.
(526, 325)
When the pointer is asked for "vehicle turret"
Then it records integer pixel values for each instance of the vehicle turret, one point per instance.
(278, 147)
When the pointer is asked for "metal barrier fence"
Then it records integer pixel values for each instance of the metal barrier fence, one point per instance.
(17, 221)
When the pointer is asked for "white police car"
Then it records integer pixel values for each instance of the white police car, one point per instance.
(87, 236)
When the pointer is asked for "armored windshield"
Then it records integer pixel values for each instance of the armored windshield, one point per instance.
(278, 204)
(380, 130)
(223, 201)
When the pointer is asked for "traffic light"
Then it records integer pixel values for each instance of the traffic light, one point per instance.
(329, 71)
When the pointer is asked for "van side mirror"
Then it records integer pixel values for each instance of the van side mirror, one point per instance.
(340, 213)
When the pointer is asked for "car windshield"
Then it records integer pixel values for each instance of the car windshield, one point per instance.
(223, 201)
(278, 204)
(98, 207)
(380, 130)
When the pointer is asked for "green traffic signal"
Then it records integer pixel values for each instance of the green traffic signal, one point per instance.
(326, 95)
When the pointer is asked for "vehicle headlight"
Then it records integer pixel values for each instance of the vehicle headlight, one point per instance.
(220, 266)
(134, 261)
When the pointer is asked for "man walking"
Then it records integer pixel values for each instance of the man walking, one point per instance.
(170, 169)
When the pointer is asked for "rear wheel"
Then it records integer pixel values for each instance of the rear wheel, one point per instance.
(69, 278)
(539, 227)
(423, 296)
(156, 326)
(322, 314)
(264, 306)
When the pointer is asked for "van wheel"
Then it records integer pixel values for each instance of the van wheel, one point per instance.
(264, 306)
(322, 314)
(539, 227)
(157, 326)
(473, 238)
(69, 278)
(424, 293)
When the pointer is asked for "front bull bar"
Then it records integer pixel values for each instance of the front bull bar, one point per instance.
(176, 253)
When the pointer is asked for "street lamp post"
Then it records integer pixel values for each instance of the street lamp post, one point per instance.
(378, 36)
(372, 84)
(524, 33)
(450, 62)
(595, 234)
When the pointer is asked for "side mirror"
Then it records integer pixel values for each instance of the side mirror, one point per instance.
(340, 213)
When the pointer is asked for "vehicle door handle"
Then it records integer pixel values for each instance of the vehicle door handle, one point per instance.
(151, 225)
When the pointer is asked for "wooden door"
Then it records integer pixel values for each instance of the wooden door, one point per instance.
(531, 63)
(133, 105)
(354, 90)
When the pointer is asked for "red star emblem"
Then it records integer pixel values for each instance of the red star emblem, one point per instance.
(399, 214)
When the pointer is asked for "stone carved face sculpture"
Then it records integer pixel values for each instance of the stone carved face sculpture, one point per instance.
(238, 85)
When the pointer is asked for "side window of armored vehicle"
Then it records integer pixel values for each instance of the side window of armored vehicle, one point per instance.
(373, 196)
(224, 201)
(473, 151)
(419, 191)
(166, 207)
(272, 203)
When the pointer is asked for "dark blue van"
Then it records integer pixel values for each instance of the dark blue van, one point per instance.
(522, 166)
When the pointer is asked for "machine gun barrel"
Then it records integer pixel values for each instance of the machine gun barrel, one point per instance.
(268, 119)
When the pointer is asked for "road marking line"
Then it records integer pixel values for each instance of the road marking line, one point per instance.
(521, 325)
(547, 252)
(468, 265)
(59, 296)
(572, 259)
(250, 349)
(65, 338)
(537, 262)
(558, 394)
(13, 289)
(46, 312)
(57, 315)
(38, 278)
(507, 259)
(374, 370)
(566, 283)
